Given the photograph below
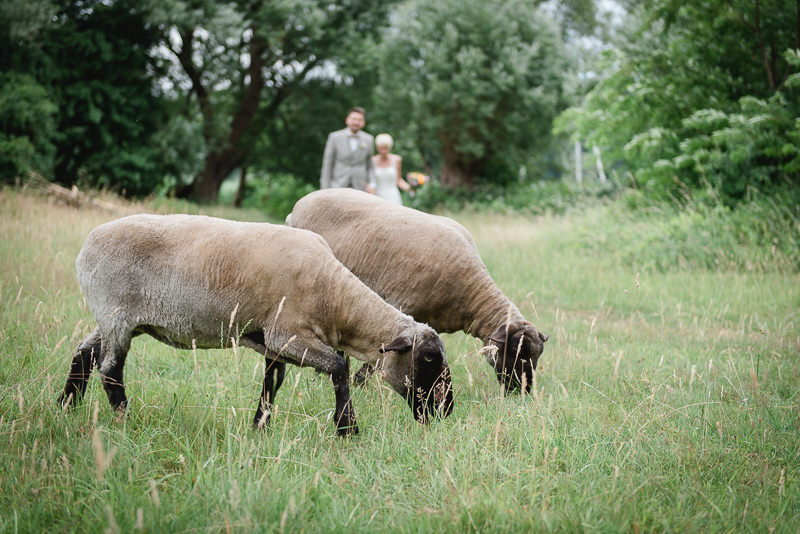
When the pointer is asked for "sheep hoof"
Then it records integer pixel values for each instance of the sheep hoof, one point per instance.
(67, 402)
(350, 430)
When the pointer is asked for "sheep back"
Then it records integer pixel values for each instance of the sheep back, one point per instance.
(426, 265)
(187, 274)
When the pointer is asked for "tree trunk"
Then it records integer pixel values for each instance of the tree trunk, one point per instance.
(457, 171)
(223, 158)
(217, 167)
(455, 177)
(239, 197)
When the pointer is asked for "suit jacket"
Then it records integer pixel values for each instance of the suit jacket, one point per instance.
(342, 167)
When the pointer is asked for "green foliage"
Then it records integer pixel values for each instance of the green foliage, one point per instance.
(755, 146)
(476, 83)
(77, 94)
(103, 87)
(293, 143)
(178, 147)
(761, 234)
(26, 127)
(524, 198)
(699, 95)
(275, 194)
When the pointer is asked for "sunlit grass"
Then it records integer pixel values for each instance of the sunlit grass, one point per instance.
(666, 400)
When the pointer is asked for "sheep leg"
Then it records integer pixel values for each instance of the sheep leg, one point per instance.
(363, 374)
(110, 365)
(344, 415)
(273, 378)
(83, 362)
(313, 353)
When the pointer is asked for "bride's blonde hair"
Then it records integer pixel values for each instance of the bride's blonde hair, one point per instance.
(384, 139)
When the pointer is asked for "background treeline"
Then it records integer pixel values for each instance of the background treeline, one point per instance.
(686, 102)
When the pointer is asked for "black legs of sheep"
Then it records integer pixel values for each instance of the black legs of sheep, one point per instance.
(273, 378)
(109, 359)
(82, 364)
(344, 414)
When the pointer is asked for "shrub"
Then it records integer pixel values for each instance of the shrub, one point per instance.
(535, 198)
(761, 234)
(275, 194)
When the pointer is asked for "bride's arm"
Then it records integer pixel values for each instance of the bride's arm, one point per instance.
(402, 184)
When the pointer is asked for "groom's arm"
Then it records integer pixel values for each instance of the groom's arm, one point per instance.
(328, 157)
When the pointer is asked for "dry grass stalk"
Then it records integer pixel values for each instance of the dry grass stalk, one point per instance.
(139, 519)
(154, 495)
(112, 528)
(102, 459)
(616, 367)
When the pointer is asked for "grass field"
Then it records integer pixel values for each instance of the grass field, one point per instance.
(666, 400)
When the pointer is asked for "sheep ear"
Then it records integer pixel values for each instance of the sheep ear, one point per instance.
(499, 335)
(543, 336)
(400, 344)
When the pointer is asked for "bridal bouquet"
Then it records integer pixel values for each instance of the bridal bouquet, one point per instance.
(417, 179)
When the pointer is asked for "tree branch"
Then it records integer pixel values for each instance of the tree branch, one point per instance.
(185, 58)
(755, 27)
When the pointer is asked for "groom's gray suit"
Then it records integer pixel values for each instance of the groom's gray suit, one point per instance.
(346, 167)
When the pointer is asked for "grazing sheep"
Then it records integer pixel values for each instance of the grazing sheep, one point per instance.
(192, 281)
(426, 266)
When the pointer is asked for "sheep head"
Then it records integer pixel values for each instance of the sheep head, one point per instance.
(515, 351)
(419, 372)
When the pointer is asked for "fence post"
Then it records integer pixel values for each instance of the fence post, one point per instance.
(599, 162)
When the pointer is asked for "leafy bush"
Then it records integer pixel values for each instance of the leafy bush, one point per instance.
(761, 234)
(27, 127)
(687, 107)
(534, 198)
(755, 146)
(275, 194)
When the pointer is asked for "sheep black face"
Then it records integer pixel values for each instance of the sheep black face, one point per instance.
(518, 351)
(420, 374)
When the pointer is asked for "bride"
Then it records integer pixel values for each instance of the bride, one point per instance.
(388, 175)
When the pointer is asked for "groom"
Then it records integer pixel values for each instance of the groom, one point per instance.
(347, 161)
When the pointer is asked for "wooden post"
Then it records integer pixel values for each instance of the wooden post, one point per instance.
(599, 163)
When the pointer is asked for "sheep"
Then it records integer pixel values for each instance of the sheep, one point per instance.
(427, 266)
(188, 281)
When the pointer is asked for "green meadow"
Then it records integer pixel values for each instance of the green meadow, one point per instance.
(667, 399)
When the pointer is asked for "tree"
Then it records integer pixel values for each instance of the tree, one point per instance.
(77, 92)
(239, 61)
(27, 125)
(102, 78)
(479, 80)
(699, 93)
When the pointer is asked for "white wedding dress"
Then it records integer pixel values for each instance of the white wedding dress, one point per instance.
(386, 183)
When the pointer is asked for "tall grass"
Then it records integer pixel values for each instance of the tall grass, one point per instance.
(666, 400)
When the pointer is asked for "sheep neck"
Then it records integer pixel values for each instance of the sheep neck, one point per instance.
(492, 311)
(365, 322)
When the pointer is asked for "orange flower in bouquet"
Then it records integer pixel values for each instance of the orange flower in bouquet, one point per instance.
(417, 179)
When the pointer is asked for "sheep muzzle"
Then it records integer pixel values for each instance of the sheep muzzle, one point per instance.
(430, 399)
(514, 358)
